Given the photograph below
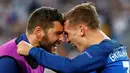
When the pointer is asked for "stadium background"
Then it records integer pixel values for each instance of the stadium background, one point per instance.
(114, 16)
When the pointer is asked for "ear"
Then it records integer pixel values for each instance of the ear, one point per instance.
(39, 32)
(82, 30)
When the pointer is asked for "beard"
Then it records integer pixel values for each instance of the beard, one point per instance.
(45, 43)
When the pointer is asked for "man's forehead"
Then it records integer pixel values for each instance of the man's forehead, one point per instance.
(66, 24)
(57, 24)
(58, 27)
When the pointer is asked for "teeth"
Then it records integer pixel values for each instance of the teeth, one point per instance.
(55, 47)
(57, 44)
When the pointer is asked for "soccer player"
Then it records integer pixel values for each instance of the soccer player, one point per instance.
(99, 53)
(44, 30)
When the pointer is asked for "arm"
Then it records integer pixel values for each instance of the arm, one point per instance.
(90, 60)
(8, 65)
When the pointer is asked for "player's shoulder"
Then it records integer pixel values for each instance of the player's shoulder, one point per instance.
(109, 43)
(7, 60)
(104, 47)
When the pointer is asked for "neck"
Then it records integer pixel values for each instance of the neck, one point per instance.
(92, 37)
(32, 39)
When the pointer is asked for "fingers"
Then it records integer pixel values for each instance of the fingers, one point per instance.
(23, 48)
(18, 51)
(19, 48)
(21, 43)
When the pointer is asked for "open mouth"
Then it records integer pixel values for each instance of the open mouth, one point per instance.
(56, 44)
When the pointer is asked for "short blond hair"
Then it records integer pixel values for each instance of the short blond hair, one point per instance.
(84, 13)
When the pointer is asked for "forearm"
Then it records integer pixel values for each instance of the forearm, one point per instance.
(49, 60)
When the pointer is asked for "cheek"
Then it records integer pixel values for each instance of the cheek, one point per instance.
(74, 38)
(71, 38)
(74, 35)
(52, 38)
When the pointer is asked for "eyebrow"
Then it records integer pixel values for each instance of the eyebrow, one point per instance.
(59, 32)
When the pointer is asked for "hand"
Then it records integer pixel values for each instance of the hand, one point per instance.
(23, 48)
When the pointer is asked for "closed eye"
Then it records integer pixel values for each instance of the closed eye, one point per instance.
(60, 32)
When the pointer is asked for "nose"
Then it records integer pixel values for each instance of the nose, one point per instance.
(62, 38)
(66, 38)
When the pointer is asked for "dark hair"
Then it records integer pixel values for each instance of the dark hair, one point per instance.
(43, 17)
(84, 13)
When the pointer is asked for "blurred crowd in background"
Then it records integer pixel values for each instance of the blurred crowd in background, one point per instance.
(114, 16)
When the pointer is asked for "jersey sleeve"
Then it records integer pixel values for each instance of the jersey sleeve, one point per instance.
(8, 65)
(90, 60)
